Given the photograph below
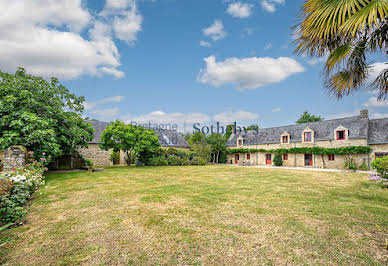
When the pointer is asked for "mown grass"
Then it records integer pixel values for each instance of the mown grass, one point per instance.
(203, 215)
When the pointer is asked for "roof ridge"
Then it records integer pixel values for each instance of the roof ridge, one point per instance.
(309, 123)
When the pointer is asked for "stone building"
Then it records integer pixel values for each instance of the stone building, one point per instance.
(342, 132)
(167, 139)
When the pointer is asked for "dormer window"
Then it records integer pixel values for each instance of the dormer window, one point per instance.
(240, 141)
(285, 138)
(341, 135)
(307, 137)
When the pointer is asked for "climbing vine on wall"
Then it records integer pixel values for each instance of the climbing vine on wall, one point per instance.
(313, 150)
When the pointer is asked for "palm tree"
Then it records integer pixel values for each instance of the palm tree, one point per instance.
(347, 31)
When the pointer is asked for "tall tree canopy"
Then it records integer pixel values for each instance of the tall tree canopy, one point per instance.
(129, 138)
(40, 115)
(348, 32)
(307, 117)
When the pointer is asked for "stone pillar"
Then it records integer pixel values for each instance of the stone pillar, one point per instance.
(14, 157)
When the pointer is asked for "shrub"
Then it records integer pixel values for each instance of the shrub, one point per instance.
(175, 157)
(88, 163)
(17, 187)
(277, 160)
(381, 166)
(198, 161)
(363, 166)
(115, 157)
(158, 161)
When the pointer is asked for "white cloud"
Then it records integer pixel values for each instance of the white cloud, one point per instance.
(275, 110)
(342, 115)
(379, 115)
(127, 26)
(44, 36)
(97, 104)
(117, 4)
(237, 116)
(270, 5)
(215, 31)
(239, 10)
(373, 102)
(268, 46)
(205, 44)
(184, 121)
(109, 114)
(248, 73)
(375, 70)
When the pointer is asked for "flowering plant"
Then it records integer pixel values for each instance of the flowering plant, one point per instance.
(16, 187)
(379, 180)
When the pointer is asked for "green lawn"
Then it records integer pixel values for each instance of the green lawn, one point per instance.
(203, 215)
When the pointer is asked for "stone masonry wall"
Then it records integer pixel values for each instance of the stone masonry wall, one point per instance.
(96, 155)
(14, 157)
(297, 160)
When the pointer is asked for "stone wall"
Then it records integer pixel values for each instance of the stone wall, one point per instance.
(298, 160)
(100, 157)
(96, 155)
(14, 157)
(381, 148)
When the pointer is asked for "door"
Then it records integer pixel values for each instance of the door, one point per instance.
(308, 160)
(236, 158)
(268, 159)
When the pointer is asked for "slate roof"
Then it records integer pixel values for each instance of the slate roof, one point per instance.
(324, 130)
(167, 138)
(378, 131)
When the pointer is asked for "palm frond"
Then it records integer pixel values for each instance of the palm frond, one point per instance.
(369, 16)
(381, 83)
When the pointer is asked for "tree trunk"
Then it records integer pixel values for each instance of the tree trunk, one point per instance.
(323, 161)
(218, 155)
(128, 158)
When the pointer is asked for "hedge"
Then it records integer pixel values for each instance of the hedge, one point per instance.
(313, 150)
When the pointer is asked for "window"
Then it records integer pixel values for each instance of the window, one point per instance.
(285, 157)
(239, 142)
(307, 137)
(285, 139)
(381, 154)
(331, 157)
(248, 156)
(341, 135)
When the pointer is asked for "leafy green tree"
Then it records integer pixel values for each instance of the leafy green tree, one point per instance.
(348, 32)
(41, 115)
(252, 127)
(133, 140)
(217, 144)
(229, 131)
(306, 117)
(197, 138)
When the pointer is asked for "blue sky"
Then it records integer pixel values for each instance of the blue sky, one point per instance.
(145, 60)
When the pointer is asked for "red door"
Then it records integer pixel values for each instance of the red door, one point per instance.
(308, 159)
(268, 159)
(236, 158)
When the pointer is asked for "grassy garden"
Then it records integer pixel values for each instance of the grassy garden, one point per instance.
(202, 215)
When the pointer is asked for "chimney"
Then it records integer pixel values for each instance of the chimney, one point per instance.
(364, 113)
